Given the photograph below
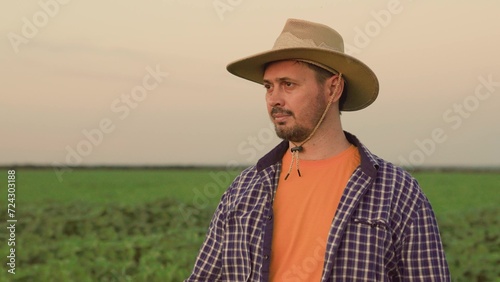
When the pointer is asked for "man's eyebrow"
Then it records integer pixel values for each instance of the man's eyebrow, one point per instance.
(280, 79)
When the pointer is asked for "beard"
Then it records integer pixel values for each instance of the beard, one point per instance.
(298, 133)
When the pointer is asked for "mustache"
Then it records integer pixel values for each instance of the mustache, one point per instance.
(279, 110)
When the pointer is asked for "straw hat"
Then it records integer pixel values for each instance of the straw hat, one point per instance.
(320, 45)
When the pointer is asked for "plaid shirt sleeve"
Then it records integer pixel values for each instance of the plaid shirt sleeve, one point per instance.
(208, 264)
(423, 257)
(233, 246)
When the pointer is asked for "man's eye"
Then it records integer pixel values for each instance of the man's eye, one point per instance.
(268, 88)
(288, 84)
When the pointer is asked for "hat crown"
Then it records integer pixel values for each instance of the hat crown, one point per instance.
(304, 34)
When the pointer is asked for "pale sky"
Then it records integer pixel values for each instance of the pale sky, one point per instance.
(144, 82)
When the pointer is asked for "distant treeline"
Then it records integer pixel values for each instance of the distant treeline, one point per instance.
(471, 169)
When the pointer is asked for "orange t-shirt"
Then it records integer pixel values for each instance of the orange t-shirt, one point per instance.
(304, 208)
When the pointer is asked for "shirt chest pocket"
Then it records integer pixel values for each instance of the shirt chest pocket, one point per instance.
(365, 244)
(372, 234)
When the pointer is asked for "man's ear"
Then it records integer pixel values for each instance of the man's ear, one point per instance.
(336, 86)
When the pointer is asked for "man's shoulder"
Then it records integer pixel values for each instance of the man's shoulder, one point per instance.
(252, 177)
(246, 175)
(389, 169)
(399, 183)
(385, 170)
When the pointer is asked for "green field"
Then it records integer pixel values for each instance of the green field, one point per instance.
(147, 224)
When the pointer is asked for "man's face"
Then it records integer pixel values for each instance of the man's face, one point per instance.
(295, 100)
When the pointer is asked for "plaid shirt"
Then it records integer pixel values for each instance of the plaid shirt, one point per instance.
(384, 228)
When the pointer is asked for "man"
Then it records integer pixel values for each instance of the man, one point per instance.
(320, 206)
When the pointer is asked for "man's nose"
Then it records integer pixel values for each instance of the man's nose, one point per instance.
(275, 97)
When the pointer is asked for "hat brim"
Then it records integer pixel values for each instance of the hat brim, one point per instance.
(362, 83)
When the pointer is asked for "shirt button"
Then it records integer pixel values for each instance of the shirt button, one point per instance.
(266, 257)
(270, 217)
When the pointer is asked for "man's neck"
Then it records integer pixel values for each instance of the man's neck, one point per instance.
(322, 146)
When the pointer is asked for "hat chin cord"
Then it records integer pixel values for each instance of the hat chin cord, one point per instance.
(299, 148)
